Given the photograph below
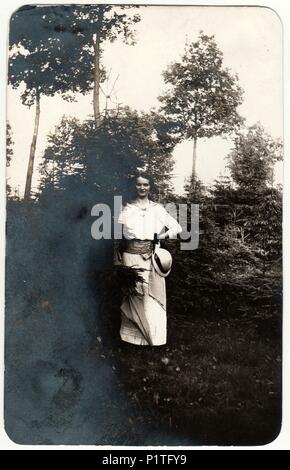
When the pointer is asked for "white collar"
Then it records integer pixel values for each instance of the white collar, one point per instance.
(151, 204)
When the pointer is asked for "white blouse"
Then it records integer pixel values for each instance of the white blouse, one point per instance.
(142, 223)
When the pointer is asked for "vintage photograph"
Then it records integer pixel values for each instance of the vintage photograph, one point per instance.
(143, 292)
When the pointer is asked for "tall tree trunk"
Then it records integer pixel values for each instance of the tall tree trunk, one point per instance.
(97, 114)
(193, 174)
(32, 148)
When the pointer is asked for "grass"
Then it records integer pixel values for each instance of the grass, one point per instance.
(215, 382)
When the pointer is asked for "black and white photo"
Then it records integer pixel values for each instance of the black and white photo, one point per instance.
(143, 289)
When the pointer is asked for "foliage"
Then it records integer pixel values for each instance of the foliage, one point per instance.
(117, 282)
(52, 46)
(238, 261)
(203, 96)
(104, 159)
(224, 299)
(252, 159)
(39, 58)
(216, 381)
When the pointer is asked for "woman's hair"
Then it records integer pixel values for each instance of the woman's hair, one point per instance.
(131, 185)
(145, 175)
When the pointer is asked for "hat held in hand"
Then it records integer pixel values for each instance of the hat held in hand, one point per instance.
(162, 261)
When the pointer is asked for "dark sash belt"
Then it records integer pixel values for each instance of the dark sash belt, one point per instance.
(138, 247)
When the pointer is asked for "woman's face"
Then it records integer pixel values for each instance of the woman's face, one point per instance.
(142, 187)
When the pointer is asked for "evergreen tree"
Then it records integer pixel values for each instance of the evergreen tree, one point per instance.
(251, 164)
(103, 160)
(252, 160)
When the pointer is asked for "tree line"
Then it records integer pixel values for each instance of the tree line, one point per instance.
(236, 272)
(58, 50)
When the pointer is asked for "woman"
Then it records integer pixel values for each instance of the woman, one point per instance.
(144, 313)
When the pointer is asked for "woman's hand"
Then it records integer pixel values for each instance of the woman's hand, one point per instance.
(117, 256)
(171, 233)
(164, 235)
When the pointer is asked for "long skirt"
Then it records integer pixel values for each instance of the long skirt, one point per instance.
(144, 314)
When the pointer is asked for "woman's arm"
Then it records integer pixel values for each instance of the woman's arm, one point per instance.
(117, 253)
(171, 233)
(118, 243)
(174, 228)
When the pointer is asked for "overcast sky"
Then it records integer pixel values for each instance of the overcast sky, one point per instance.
(251, 40)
